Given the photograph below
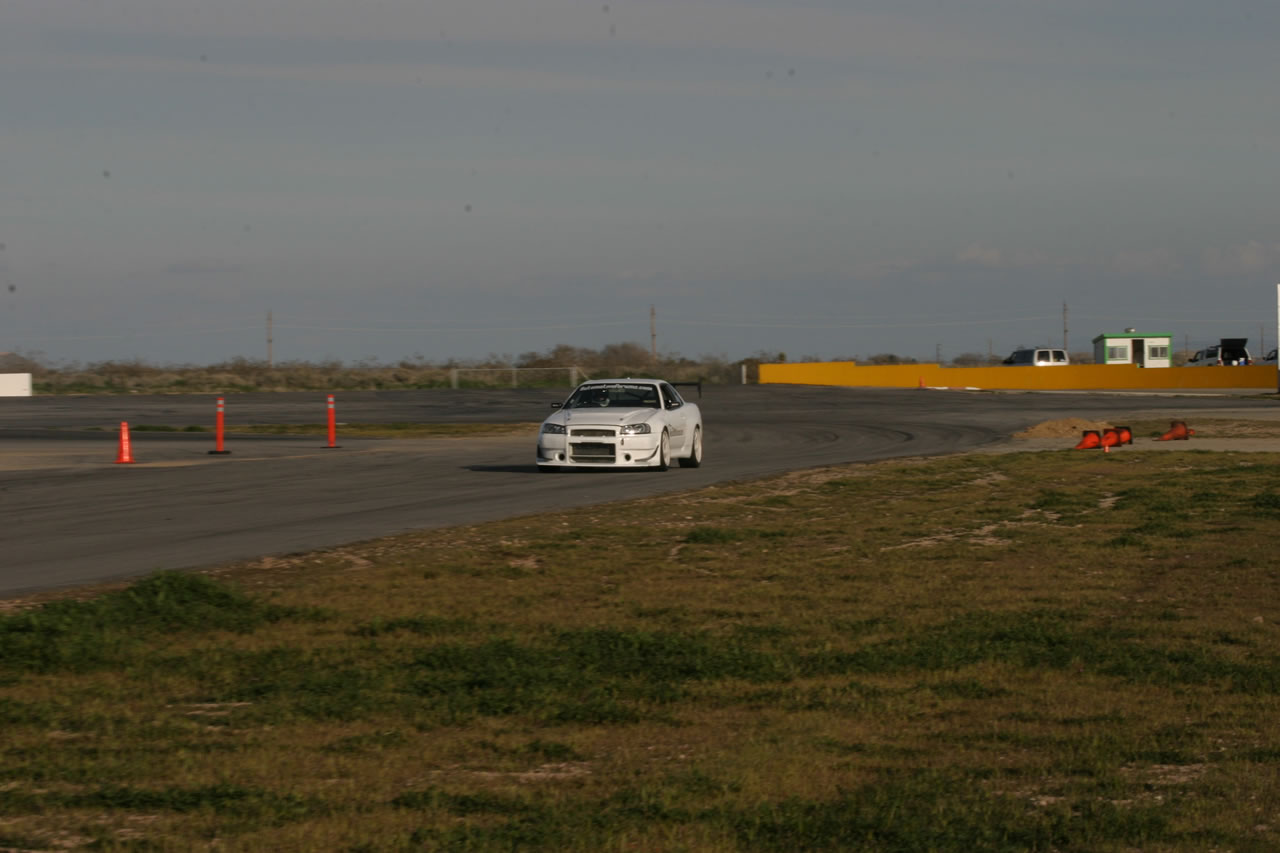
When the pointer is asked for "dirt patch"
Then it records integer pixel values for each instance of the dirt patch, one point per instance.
(1062, 428)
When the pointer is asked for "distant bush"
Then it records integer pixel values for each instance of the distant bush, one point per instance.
(245, 375)
(12, 362)
(976, 359)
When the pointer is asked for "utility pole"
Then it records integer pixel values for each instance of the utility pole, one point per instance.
(1064, 326)
(270, 361)
(653, 334)
(937, 353)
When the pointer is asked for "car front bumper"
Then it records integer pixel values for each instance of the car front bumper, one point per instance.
(598, 451)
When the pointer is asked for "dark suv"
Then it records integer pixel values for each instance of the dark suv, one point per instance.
(1229, 351)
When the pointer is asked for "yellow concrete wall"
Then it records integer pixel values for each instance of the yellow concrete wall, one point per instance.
(1083, 377)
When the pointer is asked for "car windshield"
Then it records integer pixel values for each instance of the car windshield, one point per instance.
(620, 395)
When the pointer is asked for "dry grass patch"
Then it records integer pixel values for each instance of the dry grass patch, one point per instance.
(1147, 428)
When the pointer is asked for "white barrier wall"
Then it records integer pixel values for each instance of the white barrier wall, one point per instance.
(15, 384)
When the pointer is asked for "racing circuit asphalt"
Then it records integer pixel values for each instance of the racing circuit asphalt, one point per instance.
(72, 516)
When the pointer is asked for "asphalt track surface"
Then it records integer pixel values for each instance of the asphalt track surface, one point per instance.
(72, 516)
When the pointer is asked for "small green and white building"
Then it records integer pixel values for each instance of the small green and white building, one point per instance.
(1132, 347)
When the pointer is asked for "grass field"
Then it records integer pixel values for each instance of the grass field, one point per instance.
(1042, 651)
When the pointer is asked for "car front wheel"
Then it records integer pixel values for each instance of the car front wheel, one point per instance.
(664, 452)
(694, 459)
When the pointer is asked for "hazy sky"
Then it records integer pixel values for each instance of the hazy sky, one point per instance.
(454, 178)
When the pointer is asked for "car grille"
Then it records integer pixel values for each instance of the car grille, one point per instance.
(592, 451)
(593, 433)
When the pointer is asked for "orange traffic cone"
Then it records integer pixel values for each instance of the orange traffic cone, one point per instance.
(1110, 439)
(921, 382)
(1177, 432)
(125, 454)
(1089, 439)
(1126, 434)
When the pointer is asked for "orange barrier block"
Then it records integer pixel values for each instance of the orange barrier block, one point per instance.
(1089, 440)
(1126, 434)
(1069, 377)
(1178, 431)
(1110, 439)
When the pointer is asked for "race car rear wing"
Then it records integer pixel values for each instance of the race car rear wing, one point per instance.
(697, 385)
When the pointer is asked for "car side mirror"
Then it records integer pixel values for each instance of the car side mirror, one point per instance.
(556, 405)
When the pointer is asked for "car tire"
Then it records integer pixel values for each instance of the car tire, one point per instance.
(694, 459)
(664, 452)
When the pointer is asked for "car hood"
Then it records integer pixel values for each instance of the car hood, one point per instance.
(611, 416)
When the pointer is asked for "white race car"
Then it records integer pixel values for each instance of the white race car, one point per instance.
(621, 423)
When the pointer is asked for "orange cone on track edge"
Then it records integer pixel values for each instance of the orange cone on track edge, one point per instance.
(1110, 439)
(1089, 440)
(1177, 432)
(125, 453)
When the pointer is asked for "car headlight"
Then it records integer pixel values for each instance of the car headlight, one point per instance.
(552, 429)
(635, 429)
